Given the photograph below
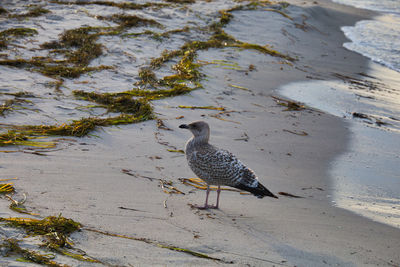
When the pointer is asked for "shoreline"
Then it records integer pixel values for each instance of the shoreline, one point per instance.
(84, 180)
(367, 197)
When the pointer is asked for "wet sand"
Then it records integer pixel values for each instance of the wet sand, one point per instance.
(84, 181)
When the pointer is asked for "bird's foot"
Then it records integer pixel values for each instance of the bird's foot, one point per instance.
(205, 207)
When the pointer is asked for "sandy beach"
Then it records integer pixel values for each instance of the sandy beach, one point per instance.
(110, 181)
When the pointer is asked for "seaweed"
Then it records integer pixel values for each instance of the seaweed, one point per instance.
(12, 247)
(202, 107)
(147, 76)
(18, 32)
(13, 33)
(22, 134)
(302, 133)
(166, 55)
(181, 1)
(191, 252)
(263, 49)
(51, 69)
(186, 69)
(289, 195)
(177, 89)
(3, 10)
(239, 87)
(36, 11)
(12, 138)
(6, 188)
(84, 39)
(168, 188)
(290, 105)
(200, 184)
(56, 229)
(18, 206)
(20, 94)
(161, 245)
(134, 104)
(219, 39)
(279, 12)
(7, 105)
(83, 126)
(176, 151)
(122, 5)
(58, 71)
(22, 63)
(78, 256)
(129, 21)
(27, 134)
(113, 103)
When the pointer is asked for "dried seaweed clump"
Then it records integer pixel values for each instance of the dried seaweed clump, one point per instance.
(11, 247)
(81, 127)
(56, 229)
(27, 134)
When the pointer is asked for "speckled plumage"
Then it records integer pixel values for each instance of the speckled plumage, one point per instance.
(217, 166)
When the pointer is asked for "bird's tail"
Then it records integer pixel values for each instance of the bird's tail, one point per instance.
(260, 191)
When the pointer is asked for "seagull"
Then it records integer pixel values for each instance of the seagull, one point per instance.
(218, 166)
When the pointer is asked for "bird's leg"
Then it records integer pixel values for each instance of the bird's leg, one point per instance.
(206, 203)
(207, 193)
(218, 192)
(206, 206)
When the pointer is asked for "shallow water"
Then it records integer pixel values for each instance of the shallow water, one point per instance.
(377, 39)
(366, 178)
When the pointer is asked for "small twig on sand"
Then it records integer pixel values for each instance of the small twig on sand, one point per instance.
(289, 195)
(302, 133)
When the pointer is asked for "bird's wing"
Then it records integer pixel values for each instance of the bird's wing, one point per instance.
(218, 166)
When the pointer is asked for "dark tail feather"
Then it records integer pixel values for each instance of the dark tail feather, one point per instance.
(260, 191)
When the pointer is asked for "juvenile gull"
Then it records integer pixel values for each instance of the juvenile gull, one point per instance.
(217, 166)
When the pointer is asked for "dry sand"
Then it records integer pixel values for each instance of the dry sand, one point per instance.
(84, 180)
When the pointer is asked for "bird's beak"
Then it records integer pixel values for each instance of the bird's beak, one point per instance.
(184, 126)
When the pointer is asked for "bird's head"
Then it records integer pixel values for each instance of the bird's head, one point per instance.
(199, 129)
